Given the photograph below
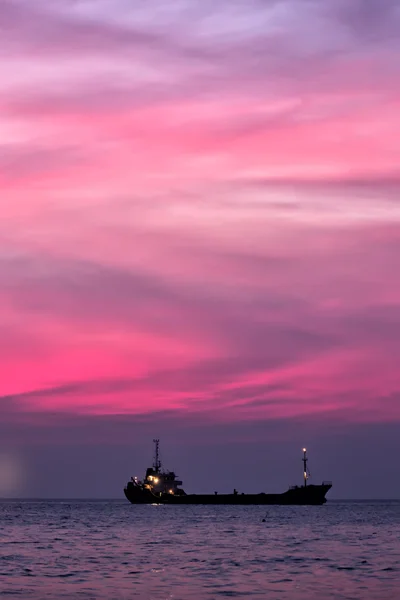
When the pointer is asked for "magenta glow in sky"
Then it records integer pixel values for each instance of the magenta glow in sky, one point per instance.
(199, 216)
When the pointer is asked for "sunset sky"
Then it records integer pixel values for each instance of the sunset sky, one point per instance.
(199, 241)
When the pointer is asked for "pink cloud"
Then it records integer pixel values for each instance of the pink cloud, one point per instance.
(197, 216)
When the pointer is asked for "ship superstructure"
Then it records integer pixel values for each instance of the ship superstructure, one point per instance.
(157, 482)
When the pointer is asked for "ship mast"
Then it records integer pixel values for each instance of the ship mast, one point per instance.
(305, 459)
(157, 462)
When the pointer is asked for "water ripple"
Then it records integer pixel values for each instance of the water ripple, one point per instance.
(102, 550)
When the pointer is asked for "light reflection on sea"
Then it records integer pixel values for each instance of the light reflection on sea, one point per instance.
(103, 550)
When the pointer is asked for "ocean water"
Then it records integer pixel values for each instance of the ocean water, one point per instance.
(113, 550)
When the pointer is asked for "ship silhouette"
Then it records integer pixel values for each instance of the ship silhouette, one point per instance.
(162, 487)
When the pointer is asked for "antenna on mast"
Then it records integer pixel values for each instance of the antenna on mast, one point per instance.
(157, 462)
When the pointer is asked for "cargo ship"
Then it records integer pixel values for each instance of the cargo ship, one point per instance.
(162, 487)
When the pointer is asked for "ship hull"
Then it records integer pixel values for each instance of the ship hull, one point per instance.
(310, 495)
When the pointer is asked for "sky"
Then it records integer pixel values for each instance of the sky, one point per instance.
(199, 241)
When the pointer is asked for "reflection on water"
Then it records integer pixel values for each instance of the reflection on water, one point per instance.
(116, 550)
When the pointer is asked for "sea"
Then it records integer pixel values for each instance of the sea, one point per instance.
(114, 550)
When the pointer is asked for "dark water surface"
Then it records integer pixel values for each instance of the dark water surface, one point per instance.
(85, 550)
